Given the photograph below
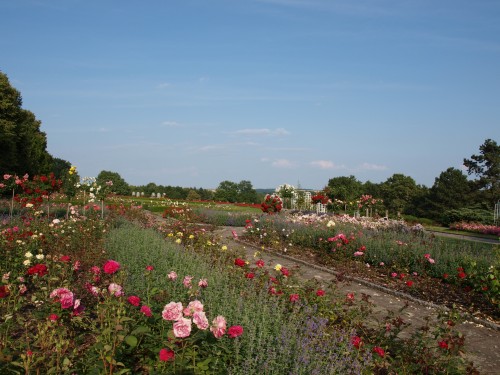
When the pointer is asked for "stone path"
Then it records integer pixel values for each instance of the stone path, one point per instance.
(482, 345)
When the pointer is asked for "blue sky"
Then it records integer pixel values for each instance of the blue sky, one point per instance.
(194, 92)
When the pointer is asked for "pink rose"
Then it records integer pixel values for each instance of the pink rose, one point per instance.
(65, 297)
(218, 326)
(187, 281)
(172, 275)
(203, 283)
(193, 307)
(200, 319)
(235, 331)
(182, 328)
(172, 311)
(149, 268)
(111, 267)
(115, 290)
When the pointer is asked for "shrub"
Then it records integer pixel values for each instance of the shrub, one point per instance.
(467, 215)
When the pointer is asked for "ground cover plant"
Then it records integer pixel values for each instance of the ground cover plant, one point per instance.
(93, 295)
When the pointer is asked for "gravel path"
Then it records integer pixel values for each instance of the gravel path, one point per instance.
(482, 345)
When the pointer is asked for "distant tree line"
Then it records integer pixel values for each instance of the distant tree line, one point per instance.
(452, 196)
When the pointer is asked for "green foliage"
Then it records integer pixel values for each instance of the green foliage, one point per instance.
(23, 144)
(119, 185)
(229, 191)
(471, 215)
(344, 188)
(486, 167)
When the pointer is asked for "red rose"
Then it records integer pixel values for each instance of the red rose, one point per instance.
(235, 331)
(409, 283)
(259, 263)
(250, 275)
(320, 292)
(166, 355)
(111, 267)
(462, 274)
(285, 272)
(134, 300)
(294, 297)
(443, 344)
(38, 269)
(4, 291)
(65, 259)
(379, 351)
(356, 341)
(239, 262)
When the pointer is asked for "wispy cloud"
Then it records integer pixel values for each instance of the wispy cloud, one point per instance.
(261, 132)
(283, 163)
(373, 167)
(326, 164)
(171, 124)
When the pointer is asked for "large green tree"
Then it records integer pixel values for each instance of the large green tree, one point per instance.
(23, 144)
(486, 168)
(399, 192)
(451, 190)
(344, 188)
(119, 186)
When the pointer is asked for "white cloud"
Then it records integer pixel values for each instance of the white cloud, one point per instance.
(261, 131)
(373, 167)
(171, 123)
(326, 164)
(282, 163)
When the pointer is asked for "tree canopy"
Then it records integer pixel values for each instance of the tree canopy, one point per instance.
(23, 144)
(486, 168)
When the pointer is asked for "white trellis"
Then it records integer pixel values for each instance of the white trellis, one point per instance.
(320, 208)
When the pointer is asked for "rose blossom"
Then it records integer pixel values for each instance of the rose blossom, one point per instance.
(65, 297)
(200, 319)
(115, 289)
(235, 331)
(294, 297)
(193, 307)
(187, 281)
(172, 311)
(203, 283)
(134, 300)
(111, 267)
(379, 351)
(320, 292)
(172, 275)
(239, 262)
(182, 328)
(166, 355)
(146, 310)
(218, 326)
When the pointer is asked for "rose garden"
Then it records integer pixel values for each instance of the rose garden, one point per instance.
(94, 283)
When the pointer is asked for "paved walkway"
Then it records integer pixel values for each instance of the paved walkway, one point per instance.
(482, 345)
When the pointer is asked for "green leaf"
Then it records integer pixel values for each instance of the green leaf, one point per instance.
(140, 330)
(131, 341)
